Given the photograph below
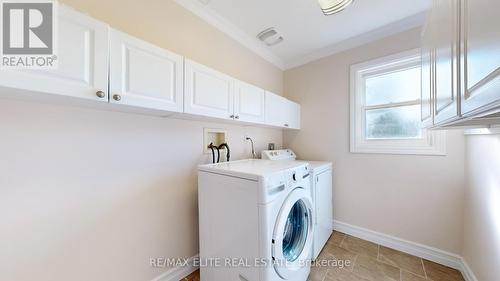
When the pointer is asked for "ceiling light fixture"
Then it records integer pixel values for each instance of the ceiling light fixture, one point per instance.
(331, 7)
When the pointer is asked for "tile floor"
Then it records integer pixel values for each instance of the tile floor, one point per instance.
(372, 262)
(366, 261)
(195, 276)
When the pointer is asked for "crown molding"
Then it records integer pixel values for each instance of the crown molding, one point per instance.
(231, 30)
(353, 42)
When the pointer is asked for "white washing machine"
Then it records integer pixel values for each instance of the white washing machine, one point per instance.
(322, 195)
(255, 221)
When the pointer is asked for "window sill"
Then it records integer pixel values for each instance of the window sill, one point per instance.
(434, 144)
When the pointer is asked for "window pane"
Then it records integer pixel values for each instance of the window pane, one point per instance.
(395, 122)
(399, 86)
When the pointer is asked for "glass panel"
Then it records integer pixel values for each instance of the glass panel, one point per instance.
(483, 46)
(295, 233)
(426, 84)
(399, 86)
(394, 123)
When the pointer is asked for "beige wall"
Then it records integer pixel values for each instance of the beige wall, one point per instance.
(92, 195)
(482, 209)
(417, 198)
(168, 25)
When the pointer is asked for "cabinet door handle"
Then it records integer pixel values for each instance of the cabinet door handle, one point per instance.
(117, 97)
(286, 125)
(236, 117)
(100, 94)
(231, 116)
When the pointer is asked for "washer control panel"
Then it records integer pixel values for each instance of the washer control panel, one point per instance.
(282, 154)
(296, 175)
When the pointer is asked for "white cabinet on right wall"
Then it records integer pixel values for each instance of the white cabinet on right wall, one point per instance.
(446, 46)
(461, 64)
(282, 112)
(426, 75)
(481, 55)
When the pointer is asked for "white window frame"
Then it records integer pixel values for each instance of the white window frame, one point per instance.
(431, 143)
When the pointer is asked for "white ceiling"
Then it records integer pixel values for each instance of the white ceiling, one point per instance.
(308, 34)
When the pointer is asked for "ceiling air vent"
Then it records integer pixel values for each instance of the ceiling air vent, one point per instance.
(270, 37)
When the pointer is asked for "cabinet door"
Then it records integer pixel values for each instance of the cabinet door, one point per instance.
(144, 75)
(207, 92)
(282, 112)
(249, 103)
(293, 115)
(446, 40)
(427, 86)
(323, 196)
(82, 61)
(276, 110)
(481, 58)
(427, 72)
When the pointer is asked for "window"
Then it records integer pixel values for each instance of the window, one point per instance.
(385, 108)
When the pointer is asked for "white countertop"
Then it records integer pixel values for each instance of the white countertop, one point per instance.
(251, 168)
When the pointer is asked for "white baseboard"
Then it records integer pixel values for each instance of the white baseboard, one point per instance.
(422, 251)
(467, 272)
(412, 248)
(177, 273)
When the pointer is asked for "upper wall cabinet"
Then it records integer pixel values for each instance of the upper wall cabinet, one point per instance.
(427, 72)
(249, 103)
(282, 112)
(293, 115)
(481, 56)
(207, 92)
(275, 110)
(461, 63)
(210, 93)
(144, 75)
(446, 45)
(141, 77)
(82, 61)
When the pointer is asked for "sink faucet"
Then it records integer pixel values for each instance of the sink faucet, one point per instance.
(254, 155)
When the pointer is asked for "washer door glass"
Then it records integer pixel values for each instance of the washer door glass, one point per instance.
(296, 231)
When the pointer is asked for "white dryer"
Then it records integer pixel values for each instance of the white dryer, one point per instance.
(321, 188)
(255, 221)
